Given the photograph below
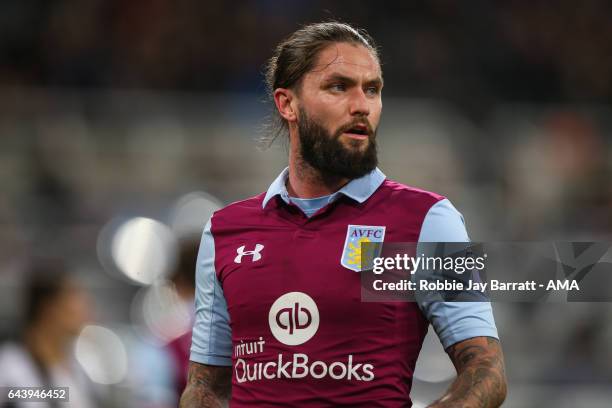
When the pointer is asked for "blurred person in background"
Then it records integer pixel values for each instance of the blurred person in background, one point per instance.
(184, 284)
(263, 258)
(558, 178)
(56, 310)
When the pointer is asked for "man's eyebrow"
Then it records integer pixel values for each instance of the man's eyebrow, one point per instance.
(343, 78)
(378, 81)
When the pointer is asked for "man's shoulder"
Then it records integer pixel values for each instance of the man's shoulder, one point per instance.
(239, 210)
(16, 367)
(405, 193)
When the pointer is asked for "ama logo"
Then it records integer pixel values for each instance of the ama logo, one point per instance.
(357, 257)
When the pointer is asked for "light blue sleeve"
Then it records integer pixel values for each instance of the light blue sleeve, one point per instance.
(211, 342)
(453, 321)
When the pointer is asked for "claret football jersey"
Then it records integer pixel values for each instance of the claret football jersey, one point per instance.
(278, 296)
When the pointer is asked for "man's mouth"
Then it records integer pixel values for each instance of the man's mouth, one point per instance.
(359, 132)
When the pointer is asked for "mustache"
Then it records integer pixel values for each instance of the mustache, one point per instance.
(356, 122)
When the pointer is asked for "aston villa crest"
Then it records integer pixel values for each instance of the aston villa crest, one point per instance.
(358, 257)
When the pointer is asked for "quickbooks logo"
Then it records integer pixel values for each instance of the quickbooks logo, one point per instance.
(294, 318)
(299, 366)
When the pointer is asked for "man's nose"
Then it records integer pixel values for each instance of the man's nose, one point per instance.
(359, 105)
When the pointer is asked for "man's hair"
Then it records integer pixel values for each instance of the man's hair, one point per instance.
(296, 55)
(184, 273)
(45, 281)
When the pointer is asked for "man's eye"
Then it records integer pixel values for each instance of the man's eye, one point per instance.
(338, 87)
(372, 90)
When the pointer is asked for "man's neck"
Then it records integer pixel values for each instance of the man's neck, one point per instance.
(306, 182)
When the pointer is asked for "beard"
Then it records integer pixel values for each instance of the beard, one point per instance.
(327, 154)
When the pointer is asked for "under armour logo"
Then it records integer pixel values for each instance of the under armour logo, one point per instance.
(255, 253)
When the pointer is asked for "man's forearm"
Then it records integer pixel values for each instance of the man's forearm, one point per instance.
(481, 378)
(196, 397)
(207, 387)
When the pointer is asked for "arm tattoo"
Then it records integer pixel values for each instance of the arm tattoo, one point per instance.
(207, 386)
(481, 377)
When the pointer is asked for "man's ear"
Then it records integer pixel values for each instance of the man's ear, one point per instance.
(285, 102)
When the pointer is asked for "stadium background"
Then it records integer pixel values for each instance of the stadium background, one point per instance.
(117, 116)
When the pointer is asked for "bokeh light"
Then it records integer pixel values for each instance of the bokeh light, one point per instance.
(191, 211)
(160, 311)
(102, 355)
(141, 249)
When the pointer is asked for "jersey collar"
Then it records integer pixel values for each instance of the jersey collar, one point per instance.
(358, 189)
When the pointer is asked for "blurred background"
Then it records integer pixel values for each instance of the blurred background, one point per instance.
(124, 124)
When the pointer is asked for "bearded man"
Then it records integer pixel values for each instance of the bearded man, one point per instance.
(280, 321)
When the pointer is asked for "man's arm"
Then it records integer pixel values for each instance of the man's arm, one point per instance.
(210, 372)
(481, 377)
(207, 386)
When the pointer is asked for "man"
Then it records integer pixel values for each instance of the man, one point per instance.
(56, 309)
(184, 283)
(279, 320)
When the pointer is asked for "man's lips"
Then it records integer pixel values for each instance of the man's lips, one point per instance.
(357, 136)
(359, 131)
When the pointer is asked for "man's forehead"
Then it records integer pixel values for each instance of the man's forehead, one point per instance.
(346, 56)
